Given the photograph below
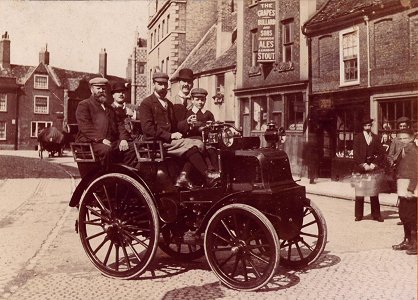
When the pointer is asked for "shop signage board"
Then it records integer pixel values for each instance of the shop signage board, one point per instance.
(266, 22)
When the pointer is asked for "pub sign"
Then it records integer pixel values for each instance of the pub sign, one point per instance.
(266, 22)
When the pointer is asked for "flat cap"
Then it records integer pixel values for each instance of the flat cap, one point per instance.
(98, 81)
(199, 92)
(160, 77)
(402, 120)
(118, 87)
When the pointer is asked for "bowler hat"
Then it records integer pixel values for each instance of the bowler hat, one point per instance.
(185, 74)
(98, 81)
(160, 77)
(199, 92)
(366, 120)
(402, 120)
(118, 87)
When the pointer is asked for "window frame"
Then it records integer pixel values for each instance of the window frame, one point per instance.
(254, 47)
(37, 127)
(5, 131)
(5, 102)
(34, 105)
(342, 33)
(290, 23)
(36, 86)
(289, 102)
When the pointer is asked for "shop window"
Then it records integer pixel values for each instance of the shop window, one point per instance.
(277, 111)
(41, 105)
(287, 39)
(295, 111)
(2, 130)
(37, 126)
(3, 102)
(259, 114)
(245, 113)
(41, 82)
(391, 110)
(346, 121)
(349, 57)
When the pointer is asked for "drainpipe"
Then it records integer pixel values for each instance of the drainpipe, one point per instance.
(366, 19)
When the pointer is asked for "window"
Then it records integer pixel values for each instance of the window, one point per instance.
(245, 113)
(259, 114)
(287, 39)
(37, 126)
(166, 65)
(254, 47)
(220, 83)
(162, 65)
(295, 111)
(41, 105)
(3, 102)
(277, 111)
(152, 36)
(391, 110)
(168, 22)
(158, 35)
(163, 29)
(349, 57)
(346, 121)
(155, 36)
(141, 68)
(2, 130)
(41, 82)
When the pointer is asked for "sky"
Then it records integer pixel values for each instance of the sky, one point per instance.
(75, 32)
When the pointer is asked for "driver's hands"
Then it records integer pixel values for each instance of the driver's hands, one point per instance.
(106, 142)
(191, 120)
(176, 136)
(123, 145)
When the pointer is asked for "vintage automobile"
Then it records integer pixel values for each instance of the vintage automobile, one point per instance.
(256, 219)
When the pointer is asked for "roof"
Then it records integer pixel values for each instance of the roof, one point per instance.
(334, 10)
(203, 59)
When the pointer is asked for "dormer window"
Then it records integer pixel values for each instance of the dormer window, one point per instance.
(41, 82)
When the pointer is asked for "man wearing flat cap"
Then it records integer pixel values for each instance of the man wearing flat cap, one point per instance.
(183, 101)
(396, 146)
(97, 124)
(369, 160)
(126, 113)
(158, 122)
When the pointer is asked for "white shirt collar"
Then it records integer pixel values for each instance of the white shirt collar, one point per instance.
(115, 104)
(195, 110)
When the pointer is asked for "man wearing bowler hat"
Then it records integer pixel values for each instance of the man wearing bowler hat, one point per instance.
(183, 101)
(97, 124)
(369, 159)
(125, 112)
(158, 121)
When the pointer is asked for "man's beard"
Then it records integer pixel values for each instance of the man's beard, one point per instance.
(100, 98)
(162, 93)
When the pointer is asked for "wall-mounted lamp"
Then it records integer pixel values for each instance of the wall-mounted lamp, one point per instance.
(218, 98)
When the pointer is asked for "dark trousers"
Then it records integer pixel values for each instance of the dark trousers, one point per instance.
(359, 207)
(112, 154)
(408, 215)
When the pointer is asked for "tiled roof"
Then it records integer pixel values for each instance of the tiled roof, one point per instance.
(20, 72)
(203, 57)
(334, 9)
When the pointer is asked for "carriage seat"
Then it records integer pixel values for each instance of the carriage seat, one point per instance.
(83, 152)
(150, 151)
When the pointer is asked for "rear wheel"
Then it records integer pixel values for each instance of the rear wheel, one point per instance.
(308, 245)
(118, 225)
(241, 247)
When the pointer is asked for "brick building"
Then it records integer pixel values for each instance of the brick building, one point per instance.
(364, 64)
(174, 29)
(33, 97)
(272, 69)
(136, 71)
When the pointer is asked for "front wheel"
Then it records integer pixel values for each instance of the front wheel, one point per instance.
(241, 247)
(305, 248)
(118, 225)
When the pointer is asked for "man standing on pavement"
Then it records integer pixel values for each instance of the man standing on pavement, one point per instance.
(406, 174)
(368, 157)
(183, 101)
(158, 121)
(97, 124)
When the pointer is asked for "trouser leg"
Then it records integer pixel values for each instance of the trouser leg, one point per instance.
(194, 156)
(359, 207)
(375, 206)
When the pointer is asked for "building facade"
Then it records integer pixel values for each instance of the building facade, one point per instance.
(272, 69)
(136, 71)
(364, 64)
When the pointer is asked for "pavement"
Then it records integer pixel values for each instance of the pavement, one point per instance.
(322, 187)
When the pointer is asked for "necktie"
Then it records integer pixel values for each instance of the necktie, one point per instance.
(403, 152)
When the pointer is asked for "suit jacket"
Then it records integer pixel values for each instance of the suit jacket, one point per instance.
(407, 165)
(180, 108)
(123, 117)
(96, 124)
(362, 151)
(156, 121)
(395, 149)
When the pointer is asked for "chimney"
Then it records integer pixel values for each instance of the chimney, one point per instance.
(103, 62)
(5, 51)
(226, 21)
(44, 55)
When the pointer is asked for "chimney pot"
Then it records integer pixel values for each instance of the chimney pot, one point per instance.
(103, 62)
(5, 51)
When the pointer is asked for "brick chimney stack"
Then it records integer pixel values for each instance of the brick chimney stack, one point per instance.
(44, 55)
(5, 51)
(103, 62)
(226, 22)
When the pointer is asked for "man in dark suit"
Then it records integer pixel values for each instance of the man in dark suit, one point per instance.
(158, 121)
(369, 158)
(183, 101)
(97, 124)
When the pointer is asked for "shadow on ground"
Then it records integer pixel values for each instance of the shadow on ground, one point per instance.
(26, 167)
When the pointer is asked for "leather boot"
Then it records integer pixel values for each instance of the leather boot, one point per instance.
(402, 245)
(183, 182)
(212, 178)
(412, 248)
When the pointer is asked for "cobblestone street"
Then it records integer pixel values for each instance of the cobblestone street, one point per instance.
(358, 262)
